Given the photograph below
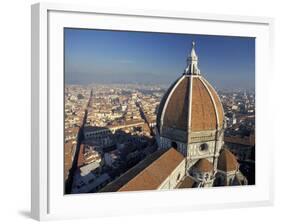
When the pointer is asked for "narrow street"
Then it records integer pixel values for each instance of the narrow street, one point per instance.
(80, 137)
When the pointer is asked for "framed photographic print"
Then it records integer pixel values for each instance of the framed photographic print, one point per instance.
(148, 111)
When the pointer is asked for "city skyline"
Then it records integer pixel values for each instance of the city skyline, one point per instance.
(109, 57)
(131, 137)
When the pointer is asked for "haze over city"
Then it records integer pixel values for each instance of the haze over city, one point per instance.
(100, 56)
(126, 131)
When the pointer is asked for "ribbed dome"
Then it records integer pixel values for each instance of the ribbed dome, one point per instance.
(203, 165)
(190, 102)
(227, 161)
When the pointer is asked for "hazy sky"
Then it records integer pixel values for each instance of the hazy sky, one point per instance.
(99, 56)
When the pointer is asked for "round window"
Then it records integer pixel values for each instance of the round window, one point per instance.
(203, 147)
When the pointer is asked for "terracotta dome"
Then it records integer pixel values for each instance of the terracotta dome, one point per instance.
(203, 165)
(193, 92)
(227, 161)
(190, 103)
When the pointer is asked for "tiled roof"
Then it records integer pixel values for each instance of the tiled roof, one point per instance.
(187, 182)
(206, 108)
(156, 173)
(217, 102)
(203, 115)
(149, 174)
(67, 158)
(204, 165)
(249, 141)
(68, 147)
(177, 107)
(131, 173)
(227, 161)
(162, 104)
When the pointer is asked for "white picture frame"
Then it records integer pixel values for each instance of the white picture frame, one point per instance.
(48, 201)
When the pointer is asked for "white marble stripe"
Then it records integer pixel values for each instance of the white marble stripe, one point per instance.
(217, 96)
(213, 101)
